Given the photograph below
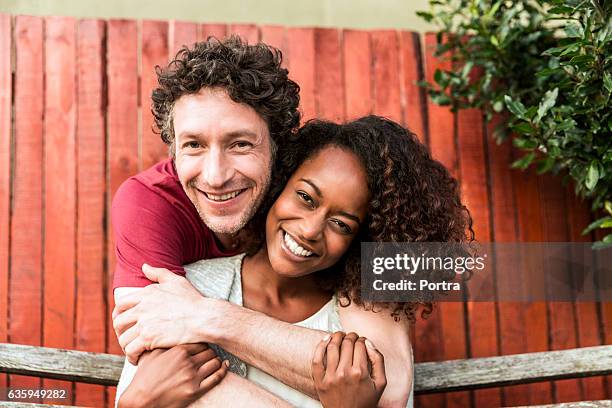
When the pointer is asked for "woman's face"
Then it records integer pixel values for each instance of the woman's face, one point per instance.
(314, 220)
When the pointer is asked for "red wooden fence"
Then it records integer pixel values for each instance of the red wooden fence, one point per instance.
(75, 122)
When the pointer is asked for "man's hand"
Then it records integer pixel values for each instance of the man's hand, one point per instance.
(341, 374)
(174, 378)
(159, 316)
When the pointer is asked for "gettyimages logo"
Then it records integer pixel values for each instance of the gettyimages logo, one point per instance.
(524, 272)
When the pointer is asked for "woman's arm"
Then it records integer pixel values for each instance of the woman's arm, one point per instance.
(392, 339)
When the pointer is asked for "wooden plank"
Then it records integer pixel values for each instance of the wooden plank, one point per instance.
(329, 96)
(560, 314)
(587, 317)
(60, 186)
(6, 98)
(25, 286)
(505, 370)
(430, 377)
(275, 36)
(452, 343)
(91, 186)
(248, 32)
(154, 40)
(578, 404)
(413, 96)
(357, 55)
(122, 119)
(80, 366)
(529, 218)
(218, 31)
(505, 229)
(181, 34)
(482, 317)
(301, 64)
(386, 79)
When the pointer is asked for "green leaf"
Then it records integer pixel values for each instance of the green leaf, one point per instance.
(561, 10)
(592, 176)
(549, 100)
(515, 107)
(524, 128)
(441, 78)
(441, 99)
(574, 30)
(606, 242)
(545, 165)
(425, 16)
(598, 224)
(607, 79)
(608, 207)
(524, 161)
(494, 41)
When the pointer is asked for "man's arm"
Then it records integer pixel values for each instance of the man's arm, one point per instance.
(144, 321)
(233, 390)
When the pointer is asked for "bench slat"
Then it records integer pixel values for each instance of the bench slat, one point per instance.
(454, 375)
(69, 365)
(469, 374)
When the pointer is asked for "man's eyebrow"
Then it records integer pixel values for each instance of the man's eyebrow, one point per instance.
(241, 133)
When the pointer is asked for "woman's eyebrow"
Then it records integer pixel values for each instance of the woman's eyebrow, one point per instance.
(351, 216)
(313, 185)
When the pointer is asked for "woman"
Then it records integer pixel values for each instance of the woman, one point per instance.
(338, 186)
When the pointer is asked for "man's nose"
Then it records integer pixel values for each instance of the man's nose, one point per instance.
(311, 227)
(217, 168)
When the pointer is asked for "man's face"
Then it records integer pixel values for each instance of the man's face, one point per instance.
(223, 158)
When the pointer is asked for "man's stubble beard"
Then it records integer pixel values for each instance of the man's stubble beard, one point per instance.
(245, 217)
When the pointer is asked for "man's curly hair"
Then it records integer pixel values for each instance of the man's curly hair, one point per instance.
(413, 198)
(250, 74)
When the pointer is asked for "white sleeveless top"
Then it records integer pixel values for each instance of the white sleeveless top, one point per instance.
(221, 278)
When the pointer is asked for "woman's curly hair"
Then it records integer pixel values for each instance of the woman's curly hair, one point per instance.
(413, 198)
(250, 74)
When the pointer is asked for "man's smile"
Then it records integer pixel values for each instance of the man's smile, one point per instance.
(221, 197)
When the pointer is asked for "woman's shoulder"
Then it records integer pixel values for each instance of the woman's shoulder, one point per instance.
(216, 277)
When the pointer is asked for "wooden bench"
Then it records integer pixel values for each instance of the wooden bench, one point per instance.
(432, 377)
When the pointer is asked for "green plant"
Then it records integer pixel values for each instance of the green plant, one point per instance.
(547, 66)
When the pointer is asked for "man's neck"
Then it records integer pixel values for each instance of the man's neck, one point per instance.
(227, 241)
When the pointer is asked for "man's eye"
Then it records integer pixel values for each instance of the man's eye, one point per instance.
(343, 226)
(243, 144)
(306, 198)
(191, 145)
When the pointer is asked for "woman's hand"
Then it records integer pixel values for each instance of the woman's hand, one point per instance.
(174, 377)
(341, 372)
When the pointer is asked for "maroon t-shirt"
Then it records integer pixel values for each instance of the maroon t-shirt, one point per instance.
(154, 222)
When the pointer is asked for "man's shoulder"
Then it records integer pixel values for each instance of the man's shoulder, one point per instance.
(158, 186)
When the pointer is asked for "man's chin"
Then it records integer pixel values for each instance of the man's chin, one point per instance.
(226, 224)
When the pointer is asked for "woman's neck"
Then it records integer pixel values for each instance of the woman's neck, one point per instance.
(259, 273)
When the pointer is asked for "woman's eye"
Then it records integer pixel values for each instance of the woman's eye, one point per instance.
(306, 198)
(343, 226)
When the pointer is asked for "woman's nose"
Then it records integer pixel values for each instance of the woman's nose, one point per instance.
(311, 227)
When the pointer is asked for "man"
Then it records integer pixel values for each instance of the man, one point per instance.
(223, 107)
